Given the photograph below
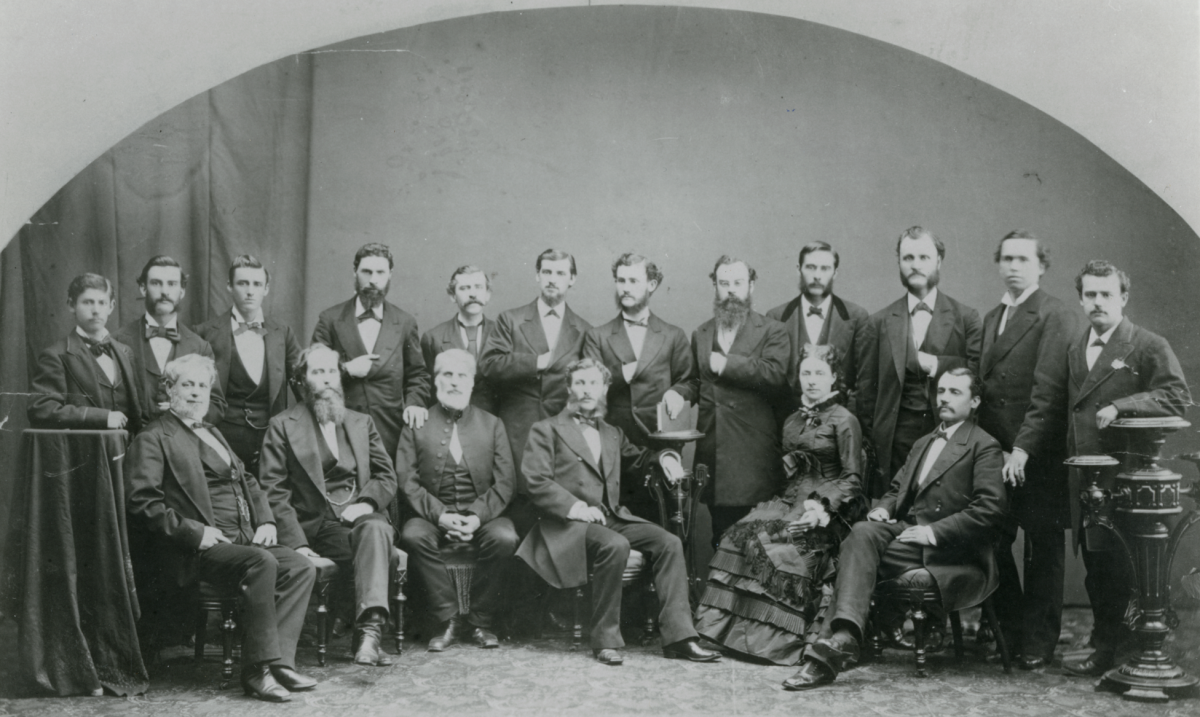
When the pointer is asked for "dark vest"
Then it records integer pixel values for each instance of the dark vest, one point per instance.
(113, 395)
(914, 395)
(249, 403)
(456, 490)
(231, 510)
(341, 473)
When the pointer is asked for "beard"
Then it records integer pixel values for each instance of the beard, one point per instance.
(369, 295)
(597, 412)
(636, 308)
(732, 312)
(815, 291)
(191, 412)
(328, 404)
(453, 401)
(931, 280)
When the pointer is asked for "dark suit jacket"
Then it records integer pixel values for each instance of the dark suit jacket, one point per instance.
(290, 471)
(666, 360)
(963, 501)
(1032, 349)
(65, 390)
(423, 452)
(169, 493)
(282, 349)
(398, 378)
(446, 336)
(560, 471)
(954, 337)
(525, 395)
(845, 321)
(150, 388)
(741, 437)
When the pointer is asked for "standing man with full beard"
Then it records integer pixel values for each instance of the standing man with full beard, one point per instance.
(821, 318)
(379, 347)
(470, 289)
(902, 351)
(158, 337)
(646, 356)
(741, 360)
(330, 480)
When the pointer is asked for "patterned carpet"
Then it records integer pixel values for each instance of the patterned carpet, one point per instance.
(544, 677)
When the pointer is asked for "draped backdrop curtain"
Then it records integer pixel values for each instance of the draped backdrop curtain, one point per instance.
(223, 174)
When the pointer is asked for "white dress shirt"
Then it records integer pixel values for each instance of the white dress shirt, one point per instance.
(592, 436)
(1093, 352)
(455, 444)
(551, 325)
(1010, 302)
(920, 320)
(368, 330)
(160, 346)
(726, 337)
(251, 347)
(815, 324)
(206, 435)
(935, 450)
(106, 362)
(637, 339)
(329, 432)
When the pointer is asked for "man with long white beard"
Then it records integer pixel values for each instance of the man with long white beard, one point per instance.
(216, 523)
(456, 471)
(741, 361)
(329, 480)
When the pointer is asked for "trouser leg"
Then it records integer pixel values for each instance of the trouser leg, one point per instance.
(607, 554)
(421, 539)
(1045, 566)
(497, 541)
(1108, 584)
(1009, 595)
(664, 551)
(865, 556)
(293, 587)
(371, 539)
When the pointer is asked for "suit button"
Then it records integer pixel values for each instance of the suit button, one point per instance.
(439, 455)
(1001, 402)
(580, 458)
(1077, 409)
(443, 443)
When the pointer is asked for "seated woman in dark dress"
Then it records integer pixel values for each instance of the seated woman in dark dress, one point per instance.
(773, 573)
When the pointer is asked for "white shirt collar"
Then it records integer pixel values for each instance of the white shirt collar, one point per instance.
(643, 315)
(170, 324)
(1007, 299)
(951, 429)
(239, 319)
(359, 309)
(930, 301)
(805, 303)
(544, 308)
(82, 333)
(1105, 337)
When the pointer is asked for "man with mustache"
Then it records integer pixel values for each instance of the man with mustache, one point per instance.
(903, 349)
(254, 356)
(941, 513)
(646, 356)
(470, 289)
(1114, 369)
(1025, 342)
(818, 316)
(526, 358)
(158, 337)
(741, 360)
(573, 464)
(86, 380)
(380, 348)
(330, 480)
(214, 523)
(456, 471)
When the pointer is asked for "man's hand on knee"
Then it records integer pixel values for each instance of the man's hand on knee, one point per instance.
(356, 511)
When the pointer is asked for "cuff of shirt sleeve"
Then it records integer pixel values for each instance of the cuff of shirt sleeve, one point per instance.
(369, 501)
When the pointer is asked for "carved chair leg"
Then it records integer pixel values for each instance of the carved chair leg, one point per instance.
(650, 606)
(322, 621)
(577, 618)
(956, 627)
(201, 630)
(398, 602)
(228, 628)
(989, 612)
(918, 618)
(875, 631)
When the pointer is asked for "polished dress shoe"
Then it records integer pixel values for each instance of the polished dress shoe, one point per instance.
(259, 683)
(609, 656)
(895, 637)
(484, 638)
(291, 680)
(368, 646)
(811, 674)
(1094, 665)
(446, 636)
(690, 649)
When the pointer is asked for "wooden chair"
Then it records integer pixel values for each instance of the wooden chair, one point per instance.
(210, 597)
(637, 570)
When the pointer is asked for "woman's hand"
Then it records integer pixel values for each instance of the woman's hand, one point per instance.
(809, 520)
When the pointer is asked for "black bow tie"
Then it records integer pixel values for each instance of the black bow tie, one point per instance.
(453, 413)
(586, 420)
(644, 323)
(169, 333)
(922, 306)
(816, 311)
(199, 424)
(103, 346)
(367, 315)
(552, 312)
(1098, 342)
(942, 434)
(255, 326)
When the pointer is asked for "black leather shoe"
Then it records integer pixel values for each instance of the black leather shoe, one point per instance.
(690, 649)
(291, 680)
(895, 637)
(259, 683)
(609, 656)
(446, 636)
(484, 638)
(1094, 665)
(368, 647)
(810, 675)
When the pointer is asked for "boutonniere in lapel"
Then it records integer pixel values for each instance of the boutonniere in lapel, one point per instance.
(1119, 365)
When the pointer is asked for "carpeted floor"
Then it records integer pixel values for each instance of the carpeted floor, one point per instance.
(544, 677)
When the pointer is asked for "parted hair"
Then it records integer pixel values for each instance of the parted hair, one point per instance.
(453, 356)
(246, 261)
(976, 382)
(162, 260)
(1100, 267)
(83, 282)
(1043, 251)
(554, 255)
(919, 232)
(829, 355)
(374, 249)
(630, 259)
(813, 246)
(300, 370)
(584, 364)
(466, 269)
(726, 260)
(175, 370)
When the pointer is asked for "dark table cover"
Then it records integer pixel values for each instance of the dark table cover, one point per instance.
(70, 580)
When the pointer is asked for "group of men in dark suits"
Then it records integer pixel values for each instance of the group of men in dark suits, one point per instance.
(518, 438)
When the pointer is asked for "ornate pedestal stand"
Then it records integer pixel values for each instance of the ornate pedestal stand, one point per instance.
(684, 502)
(1144, 498)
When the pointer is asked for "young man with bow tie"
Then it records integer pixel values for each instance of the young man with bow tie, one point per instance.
(254, 357)
(903, 349)
(86, 380)
(157, 337)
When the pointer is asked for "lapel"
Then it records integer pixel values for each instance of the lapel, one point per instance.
(359, 439)
(954, 450)
(568, 334)
(276, 350)
(911, 470)
(452, 336)
(531, 329)
(145, 353)
(748, 335)
(1023, 319)
(1118, 348)
(898, 335)
(78, 364)
(389, 337)
(610, 458)
(346, 328)
(839, 317)
(619, 341)
(302, 434)
(573, 437)
(222, 345)
(183, 455)
(651, 346)
(941, 326)
(704, 345)
(127, 374)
